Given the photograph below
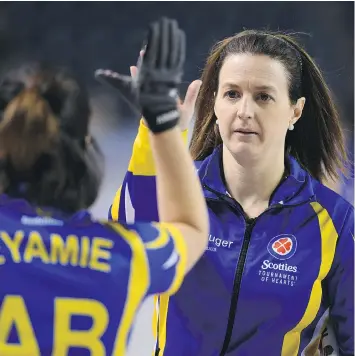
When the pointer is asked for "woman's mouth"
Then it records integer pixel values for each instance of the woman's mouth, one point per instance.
(245, 132)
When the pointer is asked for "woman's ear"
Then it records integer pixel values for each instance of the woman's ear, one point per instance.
(298, 109)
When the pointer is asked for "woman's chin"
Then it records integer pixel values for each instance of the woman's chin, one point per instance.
(242, 149)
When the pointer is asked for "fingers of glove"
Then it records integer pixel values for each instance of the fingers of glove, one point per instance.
(182, 50)
(112, 78)
(123, 85)
(150, 55)
(174, 43)
(164, 29)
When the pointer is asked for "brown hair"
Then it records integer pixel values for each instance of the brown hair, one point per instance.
(28, 129)
(317, 141)
(43, 129)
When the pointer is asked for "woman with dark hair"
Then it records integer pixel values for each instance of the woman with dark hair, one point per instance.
(280, 260)
(57, 262)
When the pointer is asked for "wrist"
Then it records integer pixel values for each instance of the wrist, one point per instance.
(161, 118)
(143, 124)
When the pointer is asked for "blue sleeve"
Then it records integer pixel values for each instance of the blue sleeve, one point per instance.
(136, 199)
(166, 256)
(341, 288)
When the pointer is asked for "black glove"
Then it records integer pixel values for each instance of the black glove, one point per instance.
(154, 91)
(123, 84)
(159, 75)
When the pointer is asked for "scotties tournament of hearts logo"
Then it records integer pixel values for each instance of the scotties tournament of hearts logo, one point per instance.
(282, 247)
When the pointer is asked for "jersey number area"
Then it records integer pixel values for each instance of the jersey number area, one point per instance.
(14, 317)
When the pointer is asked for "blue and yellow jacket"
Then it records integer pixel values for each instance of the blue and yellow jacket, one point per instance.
(265, 286)
(71, 285)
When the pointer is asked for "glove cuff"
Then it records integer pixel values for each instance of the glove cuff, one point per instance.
(160, 122)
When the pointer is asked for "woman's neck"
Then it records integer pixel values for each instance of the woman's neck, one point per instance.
(252, 183)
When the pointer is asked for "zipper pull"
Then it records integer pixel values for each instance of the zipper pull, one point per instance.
(250, 222)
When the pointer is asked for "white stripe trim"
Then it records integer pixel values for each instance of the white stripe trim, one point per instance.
(156, 339)
(130, 212)
(328, 340)
(317, 329)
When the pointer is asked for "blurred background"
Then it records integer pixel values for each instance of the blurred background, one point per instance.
(85, 36)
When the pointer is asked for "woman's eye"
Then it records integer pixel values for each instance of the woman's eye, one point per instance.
(232, 94)
(264, 97)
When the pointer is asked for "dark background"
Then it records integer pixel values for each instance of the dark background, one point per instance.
(90, 35)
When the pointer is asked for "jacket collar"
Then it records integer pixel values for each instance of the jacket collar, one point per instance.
(295, 189)
(23, 207)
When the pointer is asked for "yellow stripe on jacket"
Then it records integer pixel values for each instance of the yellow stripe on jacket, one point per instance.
(329, 237)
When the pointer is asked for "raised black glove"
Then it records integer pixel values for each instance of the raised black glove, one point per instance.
(124, 86)
(154, 91)
(160, 73)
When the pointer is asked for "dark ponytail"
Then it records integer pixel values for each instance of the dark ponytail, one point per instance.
(43, 158)
(28, 130)
(317, 141)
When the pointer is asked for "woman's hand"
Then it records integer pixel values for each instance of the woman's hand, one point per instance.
(123, 84)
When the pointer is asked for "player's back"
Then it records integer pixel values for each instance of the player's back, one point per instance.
(70, 285)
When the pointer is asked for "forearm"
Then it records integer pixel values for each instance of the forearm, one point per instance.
(178, 188)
